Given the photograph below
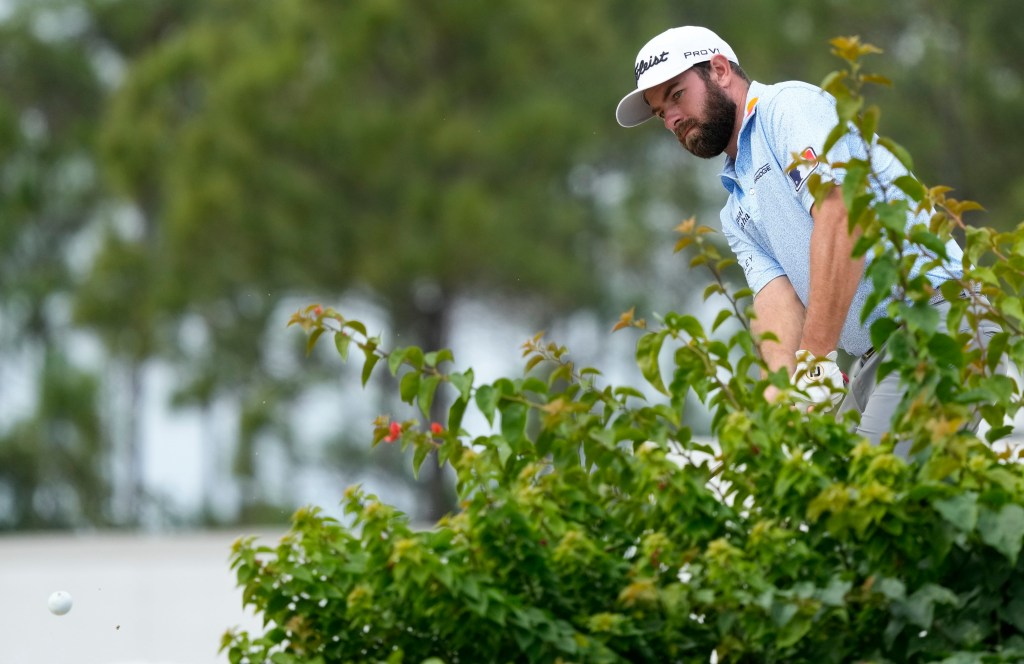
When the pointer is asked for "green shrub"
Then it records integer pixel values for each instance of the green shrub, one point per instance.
(594, 527)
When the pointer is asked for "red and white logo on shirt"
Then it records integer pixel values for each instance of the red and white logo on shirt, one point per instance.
(804, 168)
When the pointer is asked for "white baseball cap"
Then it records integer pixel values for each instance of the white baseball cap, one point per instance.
(664, 57)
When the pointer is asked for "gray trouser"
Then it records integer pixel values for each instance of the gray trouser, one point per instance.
(877, 401)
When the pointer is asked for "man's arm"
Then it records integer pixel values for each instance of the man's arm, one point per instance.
(777, 309)
(835, 276)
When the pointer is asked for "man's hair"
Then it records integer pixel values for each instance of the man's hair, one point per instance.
(704, 70)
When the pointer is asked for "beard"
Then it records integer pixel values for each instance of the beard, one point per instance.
(710, 137)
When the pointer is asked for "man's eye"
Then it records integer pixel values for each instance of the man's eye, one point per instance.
(676, 95)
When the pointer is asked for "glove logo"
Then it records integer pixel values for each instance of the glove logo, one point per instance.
(818, 379)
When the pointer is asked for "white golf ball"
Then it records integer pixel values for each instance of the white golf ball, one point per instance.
(59, 603)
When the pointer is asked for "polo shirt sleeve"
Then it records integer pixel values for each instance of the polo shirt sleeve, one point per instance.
(799, 120)
(758, 267)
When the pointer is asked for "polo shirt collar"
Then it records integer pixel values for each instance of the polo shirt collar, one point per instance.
(754, 93)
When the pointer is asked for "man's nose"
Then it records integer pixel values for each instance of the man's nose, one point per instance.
(672, 119)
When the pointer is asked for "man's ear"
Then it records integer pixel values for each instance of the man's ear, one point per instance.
(721, 70)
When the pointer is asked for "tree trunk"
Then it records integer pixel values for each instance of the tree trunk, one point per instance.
(136, 482)
(436, 483)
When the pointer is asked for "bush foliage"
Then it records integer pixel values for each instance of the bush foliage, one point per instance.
(594, 527)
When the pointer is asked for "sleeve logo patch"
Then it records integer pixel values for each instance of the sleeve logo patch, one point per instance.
(802, 171)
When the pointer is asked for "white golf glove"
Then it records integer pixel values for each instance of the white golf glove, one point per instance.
(818, 379)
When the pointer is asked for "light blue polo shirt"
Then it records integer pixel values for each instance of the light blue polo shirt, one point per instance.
(767, 218)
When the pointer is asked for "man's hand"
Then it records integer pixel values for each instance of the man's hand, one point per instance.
(818, 379)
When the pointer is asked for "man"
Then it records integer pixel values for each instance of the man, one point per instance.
(796, 255)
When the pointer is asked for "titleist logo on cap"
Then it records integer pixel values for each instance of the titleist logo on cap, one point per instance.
(643, 65)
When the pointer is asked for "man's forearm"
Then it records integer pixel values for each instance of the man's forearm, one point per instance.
(835, 276)
(778, 310)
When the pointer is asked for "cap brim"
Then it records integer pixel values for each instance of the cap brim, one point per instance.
(633, 110)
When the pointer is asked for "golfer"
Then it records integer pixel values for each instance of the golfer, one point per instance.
(796, 255)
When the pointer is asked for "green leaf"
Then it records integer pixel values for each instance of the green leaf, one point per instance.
(311, 341)
(456, 413)
(463, 382)
(859, 211)
(833, 81)
(427, 390)
(414, 356)
(919, 316)
(946, 351)
(869, 121)
(411, 355)
(893, 589)
(626, 391)
(897, 151)
(722, 316)
(1011, 306)
(1013, 613)
(837, 133)
(434, 358)
(991, 389)
(535, 385)
(877, 79)
(1003, 530)
(881, 330)
(919, 608)
(912, 187)
(487, 401)
(794, 631)
(685, 323)
(342, 342)
(893, 215)
(409, 386)
(503, 449)
(371, 361)
(883, 272)
(835, 593)
(996, 347)
(929, 241)
(783, 612)
(856, 180)
(951, 290)
(422, 451)
(648, 352)
(999, 432)
(960, 510)
(355, 326)
(848, 106)
(513, 422)
(712, 289)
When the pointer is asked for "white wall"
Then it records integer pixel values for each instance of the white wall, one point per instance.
(138, 599)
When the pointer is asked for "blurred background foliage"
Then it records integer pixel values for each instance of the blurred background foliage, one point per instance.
(177, 176)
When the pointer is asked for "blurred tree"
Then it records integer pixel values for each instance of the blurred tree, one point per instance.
(50, 437)
(53, 471)
(417, 152)
(58, 61)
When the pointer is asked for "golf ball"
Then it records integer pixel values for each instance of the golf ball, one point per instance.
(59, 603)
